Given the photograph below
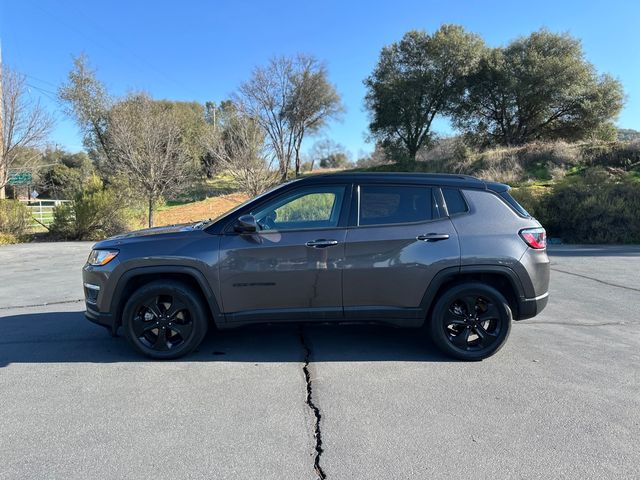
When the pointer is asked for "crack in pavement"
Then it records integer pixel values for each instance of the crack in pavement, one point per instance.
(596, 280)
(314, 409)
(46, 304)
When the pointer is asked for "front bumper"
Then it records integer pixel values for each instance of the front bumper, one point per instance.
(106, 320)
(530, 307)
(94, 281)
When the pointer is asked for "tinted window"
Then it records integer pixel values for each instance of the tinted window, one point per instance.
(454, 200)
(314, 207)
(394, 204)
(514, 204)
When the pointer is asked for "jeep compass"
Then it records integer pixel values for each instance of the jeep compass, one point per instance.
(451, 253)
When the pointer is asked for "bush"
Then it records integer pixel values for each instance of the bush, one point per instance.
(95, 213)
(594, 208)
(8, 239)
(60, 181)
(624, 155)
(15, 218)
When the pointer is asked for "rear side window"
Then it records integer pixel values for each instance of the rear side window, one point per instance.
(392, 204)
(454, 200)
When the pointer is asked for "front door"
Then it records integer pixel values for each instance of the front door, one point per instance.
(290, 269)
(400, 241)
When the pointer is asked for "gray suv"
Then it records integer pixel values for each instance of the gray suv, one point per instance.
(451, 253)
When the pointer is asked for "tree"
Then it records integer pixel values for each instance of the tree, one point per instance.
(329, 154)
(416, 79)
(153, 144)
(538, 87)
(289, 98)
(628, 135)
(25, 125)
(313, 102)
(237, 144)
(87, 100)
(214, 116)
(192, 119)
(63, 174)
(146, 145)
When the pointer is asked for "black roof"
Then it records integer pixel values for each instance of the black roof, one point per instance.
(443, 179)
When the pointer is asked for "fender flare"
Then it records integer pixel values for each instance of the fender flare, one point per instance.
(447, 274)
(117, 301)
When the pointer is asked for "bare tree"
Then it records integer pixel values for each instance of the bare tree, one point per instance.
(145, 144)
(289, 97)
(313, 101)
(238, 146)
(25, 125)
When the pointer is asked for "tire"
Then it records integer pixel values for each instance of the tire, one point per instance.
(471, 321)
(165, 320)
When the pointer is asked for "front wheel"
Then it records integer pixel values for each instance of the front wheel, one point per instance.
(165, 320)
(471, 321)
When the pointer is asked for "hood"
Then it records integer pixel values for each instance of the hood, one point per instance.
(148, 234)
(185, 227)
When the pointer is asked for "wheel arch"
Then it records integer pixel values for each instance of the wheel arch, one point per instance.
(135, 278)
(500, 277)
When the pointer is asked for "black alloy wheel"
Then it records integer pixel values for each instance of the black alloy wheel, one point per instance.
(162, 322)
(165, 320)
(471, 321)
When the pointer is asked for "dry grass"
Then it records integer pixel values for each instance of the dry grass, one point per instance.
(8, 239)
(202, 210)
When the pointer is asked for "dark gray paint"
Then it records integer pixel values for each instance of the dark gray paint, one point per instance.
(372, 273)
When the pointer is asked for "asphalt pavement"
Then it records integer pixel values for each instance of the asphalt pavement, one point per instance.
(560, 400)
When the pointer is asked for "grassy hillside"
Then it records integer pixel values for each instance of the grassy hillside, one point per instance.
(582, 193)
(534, 163)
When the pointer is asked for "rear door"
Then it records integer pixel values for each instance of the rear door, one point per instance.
(398, 240)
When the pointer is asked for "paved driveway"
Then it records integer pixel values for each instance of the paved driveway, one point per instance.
(561, 400)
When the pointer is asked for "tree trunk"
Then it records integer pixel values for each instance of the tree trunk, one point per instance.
(151, 212)
(413, 153)
(298, 162)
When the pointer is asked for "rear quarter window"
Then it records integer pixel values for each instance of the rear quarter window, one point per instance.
(455, 201)
(513, 203)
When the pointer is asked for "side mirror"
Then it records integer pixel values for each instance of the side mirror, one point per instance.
(246, 224)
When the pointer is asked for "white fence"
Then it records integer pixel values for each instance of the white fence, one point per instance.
(42, 210)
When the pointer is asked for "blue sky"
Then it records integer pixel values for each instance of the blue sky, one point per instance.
(190, 50)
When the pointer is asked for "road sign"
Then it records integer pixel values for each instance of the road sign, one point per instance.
(20, 178)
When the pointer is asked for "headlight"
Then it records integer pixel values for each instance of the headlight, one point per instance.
(101, 257)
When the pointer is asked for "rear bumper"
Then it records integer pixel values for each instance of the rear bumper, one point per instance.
(530, 307)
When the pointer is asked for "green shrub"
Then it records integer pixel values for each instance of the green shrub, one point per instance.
(95, 213)
(624, 155)
(531, 199)
(15, 218)
(60, 181)
(594, 208)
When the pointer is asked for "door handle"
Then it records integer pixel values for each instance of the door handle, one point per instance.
(321, 243)
(432, 237)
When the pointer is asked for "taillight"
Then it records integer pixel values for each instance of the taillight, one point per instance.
(534, 237)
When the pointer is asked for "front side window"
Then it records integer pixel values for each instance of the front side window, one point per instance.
(313, 207)
(393, 204)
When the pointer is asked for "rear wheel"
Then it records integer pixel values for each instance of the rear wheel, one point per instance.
(165, 320)
(471, 321)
